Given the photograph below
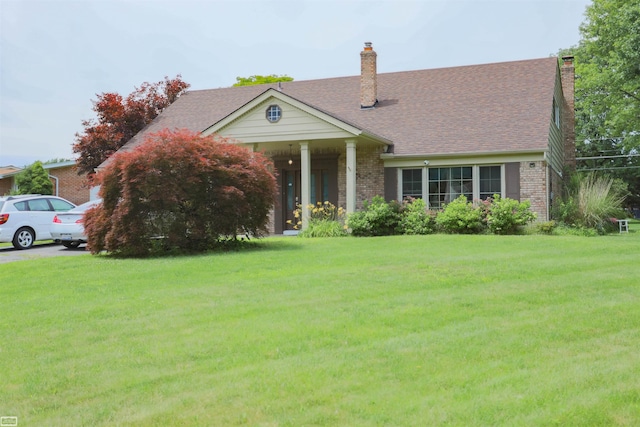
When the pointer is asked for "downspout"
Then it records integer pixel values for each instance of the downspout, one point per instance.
(51, 176)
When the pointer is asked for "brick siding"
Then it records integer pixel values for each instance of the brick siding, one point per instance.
(369, 175)
(71, 186)
(533, 187)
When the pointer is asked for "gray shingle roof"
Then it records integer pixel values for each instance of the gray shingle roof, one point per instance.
(470, 109)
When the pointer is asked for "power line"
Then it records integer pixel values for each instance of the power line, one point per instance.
(607, 157)
(613, 167)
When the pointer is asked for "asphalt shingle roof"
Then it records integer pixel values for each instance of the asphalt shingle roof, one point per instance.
(470, 109)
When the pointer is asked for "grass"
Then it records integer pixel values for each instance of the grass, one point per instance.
(407, 330)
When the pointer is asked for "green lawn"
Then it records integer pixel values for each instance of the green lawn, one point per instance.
(399, 331)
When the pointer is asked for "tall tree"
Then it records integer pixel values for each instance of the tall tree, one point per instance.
(119, 119)
(258, 80)
(608, 91)
(34, 180)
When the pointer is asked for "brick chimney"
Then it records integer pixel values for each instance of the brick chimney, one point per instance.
(567, 73)
(368, 77)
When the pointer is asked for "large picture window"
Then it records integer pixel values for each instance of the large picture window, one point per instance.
(442, 185)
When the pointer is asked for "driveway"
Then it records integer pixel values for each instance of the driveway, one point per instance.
(45, 250)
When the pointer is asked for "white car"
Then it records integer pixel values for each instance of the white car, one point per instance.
(27, 218)
(68, 227)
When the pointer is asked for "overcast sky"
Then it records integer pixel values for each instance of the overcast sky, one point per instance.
(56, 55)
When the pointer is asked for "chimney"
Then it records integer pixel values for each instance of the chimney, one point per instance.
(567, 74)
(368, 77)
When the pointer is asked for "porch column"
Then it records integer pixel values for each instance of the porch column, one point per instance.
(351, 175)
(305, 182)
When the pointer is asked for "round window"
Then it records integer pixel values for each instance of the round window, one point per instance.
(274, 113)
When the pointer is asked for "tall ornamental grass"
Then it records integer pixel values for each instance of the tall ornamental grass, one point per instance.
(597, 202)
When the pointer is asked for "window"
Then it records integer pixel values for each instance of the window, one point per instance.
(556, 113)
(60, 205)
(447, 184)
(412, 183)
(39, 205)
(274, 113)
(490, 181)
(443, 185)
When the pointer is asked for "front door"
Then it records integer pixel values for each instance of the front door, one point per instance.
(323, 183)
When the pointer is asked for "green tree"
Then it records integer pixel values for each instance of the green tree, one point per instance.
(258, 80)
(608, 91)
(34, 180)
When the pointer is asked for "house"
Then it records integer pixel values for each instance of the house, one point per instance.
(505, 128)
(7, 181)
(63, 175)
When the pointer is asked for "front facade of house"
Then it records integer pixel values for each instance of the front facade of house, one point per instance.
(504, 128)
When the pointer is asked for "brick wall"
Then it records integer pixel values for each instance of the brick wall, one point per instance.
(5, 186)
(368, 77)
(71, 186)
(533, 187)
(369, 175)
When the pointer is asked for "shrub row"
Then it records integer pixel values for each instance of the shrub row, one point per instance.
(495, 215)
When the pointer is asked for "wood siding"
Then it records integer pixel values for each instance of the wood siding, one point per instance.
(556, 142)
(294, 125)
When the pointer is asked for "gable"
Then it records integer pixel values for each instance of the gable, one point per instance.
(295, 124)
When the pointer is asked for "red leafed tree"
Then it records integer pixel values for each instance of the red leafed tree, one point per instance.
(180, 191)
(119, 119)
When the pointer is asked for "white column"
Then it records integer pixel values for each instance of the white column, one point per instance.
(351, 175)
(305, 182)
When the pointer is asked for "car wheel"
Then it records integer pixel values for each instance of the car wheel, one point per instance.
(23, 239)
(71, 245)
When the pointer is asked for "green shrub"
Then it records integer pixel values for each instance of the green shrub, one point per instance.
(323, 228)
(377, 218)
(416, 218)
(506, 215)
(460, 216)
(546, 227)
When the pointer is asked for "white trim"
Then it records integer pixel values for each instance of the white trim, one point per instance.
(305, 181)
(351, 175)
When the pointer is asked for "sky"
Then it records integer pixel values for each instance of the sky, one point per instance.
(56, 56)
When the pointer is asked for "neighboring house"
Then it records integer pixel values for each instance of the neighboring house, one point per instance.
(505, 128)
(63, 175)
(7, 182)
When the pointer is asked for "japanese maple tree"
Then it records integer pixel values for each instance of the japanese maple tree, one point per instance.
(120, 118)
(178, 191)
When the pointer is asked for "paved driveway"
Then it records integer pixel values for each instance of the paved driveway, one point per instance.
(46, 250)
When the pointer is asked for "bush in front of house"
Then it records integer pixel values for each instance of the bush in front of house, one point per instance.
(377, 218)
(460, 217)
(180, 192)
(506, 216)
(325, 220)
(416, 217)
